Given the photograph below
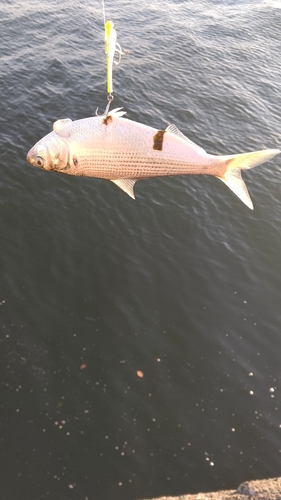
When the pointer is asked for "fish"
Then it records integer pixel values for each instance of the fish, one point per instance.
(123, 151)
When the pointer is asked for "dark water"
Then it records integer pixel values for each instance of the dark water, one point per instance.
(181, 286)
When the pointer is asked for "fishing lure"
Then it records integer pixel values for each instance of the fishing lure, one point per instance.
(111, 49)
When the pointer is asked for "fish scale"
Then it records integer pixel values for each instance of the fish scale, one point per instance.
(127, 166)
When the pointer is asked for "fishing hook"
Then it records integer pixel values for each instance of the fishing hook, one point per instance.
(118, 50)
(110, 98)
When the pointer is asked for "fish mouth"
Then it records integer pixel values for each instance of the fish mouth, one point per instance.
(35, 159)
(30, 156)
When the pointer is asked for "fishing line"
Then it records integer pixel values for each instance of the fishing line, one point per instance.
(103, 9)
(109, 47)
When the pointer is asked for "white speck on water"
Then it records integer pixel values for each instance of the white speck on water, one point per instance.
(251, 374)
(251, 392)
(271, 389)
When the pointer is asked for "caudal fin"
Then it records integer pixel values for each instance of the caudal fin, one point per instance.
(235, 163)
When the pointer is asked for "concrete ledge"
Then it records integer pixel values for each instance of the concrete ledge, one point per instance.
(266, 489)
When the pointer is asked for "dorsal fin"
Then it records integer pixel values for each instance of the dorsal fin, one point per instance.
(173, 129)
(60, 125)
(127, 185)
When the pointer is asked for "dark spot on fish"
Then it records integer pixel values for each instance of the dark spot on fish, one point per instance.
(158, 140)
(75, 161)
(107, 120)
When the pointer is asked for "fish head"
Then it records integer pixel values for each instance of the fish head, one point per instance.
(50, 153)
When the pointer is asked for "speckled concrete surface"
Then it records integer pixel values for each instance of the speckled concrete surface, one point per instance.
(266, 489)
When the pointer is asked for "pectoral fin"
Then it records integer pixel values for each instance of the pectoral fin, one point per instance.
(60, 127)
(127, 185)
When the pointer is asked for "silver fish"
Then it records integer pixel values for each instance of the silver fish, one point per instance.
(123, 151)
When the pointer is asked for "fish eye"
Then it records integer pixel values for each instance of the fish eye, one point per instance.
(39, 161)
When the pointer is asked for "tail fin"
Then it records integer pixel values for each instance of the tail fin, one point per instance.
(235, 163)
